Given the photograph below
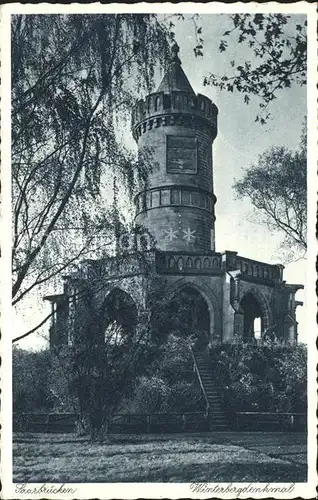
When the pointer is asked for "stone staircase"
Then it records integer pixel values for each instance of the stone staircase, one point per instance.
(217, 420)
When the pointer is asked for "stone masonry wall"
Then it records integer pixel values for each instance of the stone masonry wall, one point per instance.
(178, 201)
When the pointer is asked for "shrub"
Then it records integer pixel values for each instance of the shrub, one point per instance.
(170, 384)
(265, 378)
(40, 382)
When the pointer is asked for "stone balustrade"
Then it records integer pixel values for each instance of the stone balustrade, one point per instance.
(179, 262)
(174, 263)
(120, 266)
(258, 270)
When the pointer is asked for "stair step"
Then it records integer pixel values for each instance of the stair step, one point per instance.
(217, 420)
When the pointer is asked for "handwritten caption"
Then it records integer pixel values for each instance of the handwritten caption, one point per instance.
(239, 490)
(44, 489)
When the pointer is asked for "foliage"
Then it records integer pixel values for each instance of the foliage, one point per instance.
(72, 78)
(30, 377)
(268, 378)
(174, 316)
(169, 383)
(277, 188)
(40, 382)
(277, 57)
(108, 353)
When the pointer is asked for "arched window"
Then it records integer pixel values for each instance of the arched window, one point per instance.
(158, 102)
(257, 328)
(253, 317)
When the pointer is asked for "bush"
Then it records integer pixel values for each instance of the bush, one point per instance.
(170, 384)
(40, 382)
(266, 378)
(30, 381)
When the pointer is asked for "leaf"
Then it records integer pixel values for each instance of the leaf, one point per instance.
(222, 46)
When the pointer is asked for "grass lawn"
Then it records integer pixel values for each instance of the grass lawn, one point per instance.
(206, 457)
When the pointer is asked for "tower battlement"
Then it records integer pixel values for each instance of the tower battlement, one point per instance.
(177, 107)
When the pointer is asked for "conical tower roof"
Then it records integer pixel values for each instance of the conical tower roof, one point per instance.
(175, 78)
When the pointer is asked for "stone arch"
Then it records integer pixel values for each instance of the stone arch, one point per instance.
(208, 295)
(264, 307)
(120, 308)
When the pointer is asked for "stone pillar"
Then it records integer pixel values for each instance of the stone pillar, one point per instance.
(281, 271)
(229, 260)
(238, 324)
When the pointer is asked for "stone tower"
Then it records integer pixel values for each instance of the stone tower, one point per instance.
(176, 128)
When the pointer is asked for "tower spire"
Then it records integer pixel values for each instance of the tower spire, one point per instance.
(174, 78)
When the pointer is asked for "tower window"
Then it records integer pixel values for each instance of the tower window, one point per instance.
(148, 199)
(195, 198)
(155, 198)
(175, 196)
(185, 197)
(165, 197)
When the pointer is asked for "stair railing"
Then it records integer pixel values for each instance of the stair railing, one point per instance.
(196, 368)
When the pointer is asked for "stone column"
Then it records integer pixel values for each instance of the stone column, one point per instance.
(238, 324)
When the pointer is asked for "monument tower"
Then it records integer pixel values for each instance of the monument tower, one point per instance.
(175, 129)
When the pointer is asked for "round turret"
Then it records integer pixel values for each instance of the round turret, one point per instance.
(175, 129)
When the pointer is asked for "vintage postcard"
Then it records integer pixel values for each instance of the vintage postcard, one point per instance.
(158, 251)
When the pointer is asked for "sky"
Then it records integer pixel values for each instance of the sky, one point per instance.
(239, 142)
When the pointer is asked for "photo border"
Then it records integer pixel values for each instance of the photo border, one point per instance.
(152, 490)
